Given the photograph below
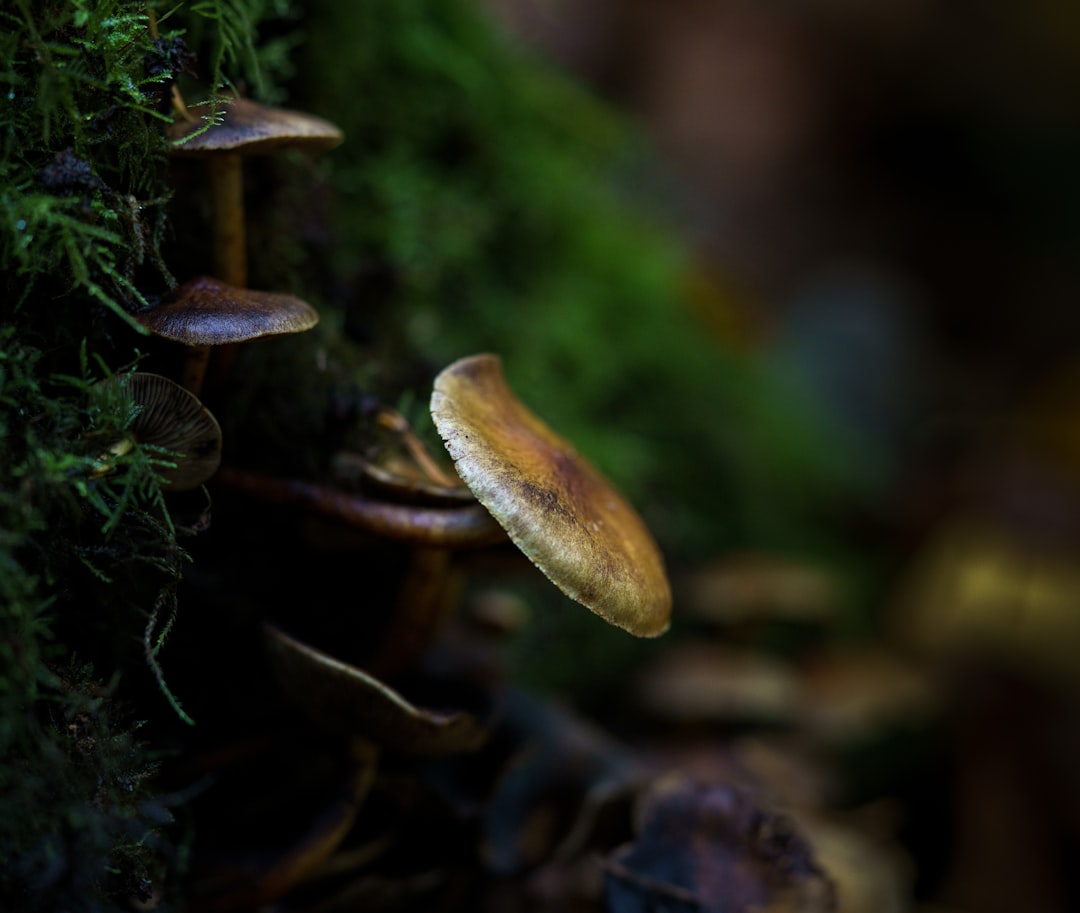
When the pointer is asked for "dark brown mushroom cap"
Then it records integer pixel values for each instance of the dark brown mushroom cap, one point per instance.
(174, 419)
(566, 518)
(253, 129)
(206, 312)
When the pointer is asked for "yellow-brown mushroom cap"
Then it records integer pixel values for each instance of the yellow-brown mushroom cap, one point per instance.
(252, 129)
(206, 312)
(566, 517)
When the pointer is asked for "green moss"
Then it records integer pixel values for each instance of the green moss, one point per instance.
(75, 821)
(90, 555)
(81, 830)
(83, 152)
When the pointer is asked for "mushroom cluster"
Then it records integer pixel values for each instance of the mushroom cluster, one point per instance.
(369, 711)
(554, 506)
(417, 690)
(363, 731)
(388, 711)
(218, 312)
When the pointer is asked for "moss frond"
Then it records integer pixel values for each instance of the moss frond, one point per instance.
(66, 821)
(82, 166)
(100, 844)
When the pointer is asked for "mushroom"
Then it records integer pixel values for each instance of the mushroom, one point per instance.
(710, 847)
(852, 693)
(411, 476)
(747, 587)
(247, 128)
(345, 698)
(443, 527)
(565, 517)
(430, 531)
(562, 781)
(171, 418)
(695, 683)
(397, 478)
(398, 464)
(274, 818)
(204, 312)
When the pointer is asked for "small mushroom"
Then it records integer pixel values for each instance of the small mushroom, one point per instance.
(247, 128)
(173, 419)
(562, 782)
(398, 464)
(711, 683)
(397, 478)
(204, 312)
(566, 518)
(747, 587)
(853, 692)
(345, 698)
(393, 421)
(274, 818)
(469, 526)
(407, 473)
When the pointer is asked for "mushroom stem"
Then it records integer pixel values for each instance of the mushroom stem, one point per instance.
(179, 105)
(193, 372)
(420, 609)
(230, 252)
(227, 199)
(393, 420)
(230, 241)
(458, 527)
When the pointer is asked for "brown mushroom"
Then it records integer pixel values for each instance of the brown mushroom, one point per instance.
(695, 683)
(397, 478)
(246, 128)
(849, 693)
(753, 587)
(205, 312)
(345, 698)
(704, 846)
(254, 851)
(566, 518)
(408, 474)
(173, 419)
(430, 531)
(397, 463)
(469, 526)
